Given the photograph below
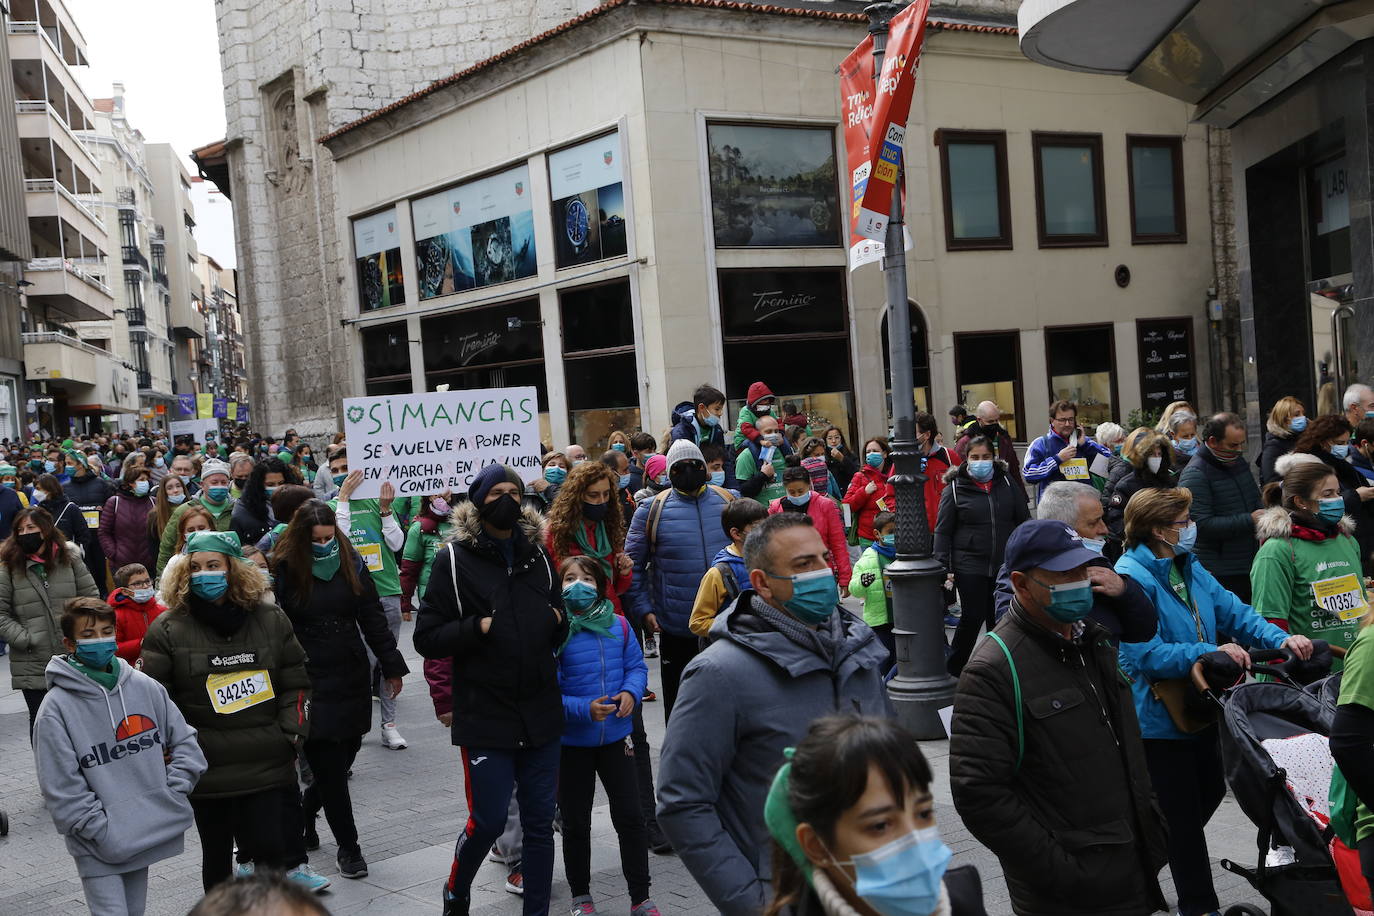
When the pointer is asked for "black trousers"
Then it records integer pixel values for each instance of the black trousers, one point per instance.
(884, 634)
(330, 760)
(674, 652)
(255, 821)
(644, 764)
(1189, 784)
(33, 698)
(579, 769)
(976, 600)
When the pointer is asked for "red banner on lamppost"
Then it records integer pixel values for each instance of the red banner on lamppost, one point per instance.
(875, 118)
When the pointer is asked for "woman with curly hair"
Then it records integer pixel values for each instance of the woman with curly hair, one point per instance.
(253, 516)
(581, 523)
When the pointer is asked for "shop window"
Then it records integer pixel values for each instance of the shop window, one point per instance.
(973, 164)
(599, 364)
(474, 235)
(1328, 220)
(987, 367)
(773, 186)
(790, 329)
(1068, 190)
(1082, 366)
(386, 359)
(377, 254)
(585, 182)
(1155, 171)
(920, 362)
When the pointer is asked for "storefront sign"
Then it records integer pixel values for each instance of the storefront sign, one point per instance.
(377, 253)
(1166, 361)
(585, 182)
(429, 443)
(475, 235)
(757, 302)
(1333, 202)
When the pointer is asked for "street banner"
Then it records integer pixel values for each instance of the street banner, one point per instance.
(875, 120)
(220, 406)
(231, 411)
(428, 443)
(186, 405)
(205, 406)
(243, 413)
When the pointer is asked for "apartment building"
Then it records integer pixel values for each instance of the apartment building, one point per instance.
(174, 212)
(220, 357)
(14, 250)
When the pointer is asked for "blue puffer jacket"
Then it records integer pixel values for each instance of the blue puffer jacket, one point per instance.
(591, 667)
(668, 571)
(1175, 646)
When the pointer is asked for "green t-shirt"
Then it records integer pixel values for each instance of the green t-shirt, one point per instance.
(365, 531)
(1179, 586)
(1357, 686)
(421, 548)
(1316, 587)
(746, 466)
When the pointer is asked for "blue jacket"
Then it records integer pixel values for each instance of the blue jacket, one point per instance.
(1175, 647)
(1042, 459)
(10, 504)
(686, 427)
(591, 667)
(668, 571)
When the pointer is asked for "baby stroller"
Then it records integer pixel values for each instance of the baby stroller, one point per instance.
(1274, 749)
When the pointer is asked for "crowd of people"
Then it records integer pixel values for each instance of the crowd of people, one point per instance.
(235, 608)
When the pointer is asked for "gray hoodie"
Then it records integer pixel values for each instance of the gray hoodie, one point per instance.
(115, 768)
(752, 693)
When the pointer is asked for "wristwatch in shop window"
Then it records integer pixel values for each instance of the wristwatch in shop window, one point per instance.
(575, 224)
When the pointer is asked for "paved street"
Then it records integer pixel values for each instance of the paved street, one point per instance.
(409, 808)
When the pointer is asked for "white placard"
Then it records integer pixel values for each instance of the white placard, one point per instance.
(946, 715)
(375, 234)
(489, 198)
(585, 167)
(428, 443)
(197, 429)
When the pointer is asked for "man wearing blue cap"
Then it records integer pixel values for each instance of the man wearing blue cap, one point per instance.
(1047, 766)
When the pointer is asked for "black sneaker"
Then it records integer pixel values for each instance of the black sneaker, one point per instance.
(351, 863)
(658, 842)
(312, 839)
(453, 904)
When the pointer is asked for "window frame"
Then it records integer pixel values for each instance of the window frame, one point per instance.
(1041, 140)
(1101, 326)
(1174, 144)
(1017, 377)
(998, 141)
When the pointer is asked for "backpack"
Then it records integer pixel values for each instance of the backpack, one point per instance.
(729, 580)
(656, 511)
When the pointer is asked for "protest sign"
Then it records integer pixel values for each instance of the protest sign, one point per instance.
(197, 429)
(428, 443)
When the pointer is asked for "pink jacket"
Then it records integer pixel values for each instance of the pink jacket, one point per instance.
(439, 677)
(825, 515)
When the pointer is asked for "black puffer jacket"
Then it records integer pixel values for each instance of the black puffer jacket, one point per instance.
(1275, 447)
(1074, 822)
(89, 493)
(1118, 496)
(972, 528)
(327, 625)
(505, 681)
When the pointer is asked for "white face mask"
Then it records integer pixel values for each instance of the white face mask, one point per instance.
(1154, 461)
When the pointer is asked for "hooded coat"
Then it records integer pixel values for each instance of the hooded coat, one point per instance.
(973, 525)
(865, 505)
(669, 565)
(124, 530)
(591, 666)
(30, 610)
(115, 767)
(90, 492)
(504, 683)
(131, 622)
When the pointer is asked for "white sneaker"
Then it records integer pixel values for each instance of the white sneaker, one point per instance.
(391, 738)
(650, 646)
(306, 877)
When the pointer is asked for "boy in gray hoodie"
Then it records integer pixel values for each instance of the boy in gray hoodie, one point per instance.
(116, 762)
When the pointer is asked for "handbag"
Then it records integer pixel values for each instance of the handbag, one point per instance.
(1190, 712)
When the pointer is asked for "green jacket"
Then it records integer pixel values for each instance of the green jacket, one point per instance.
(168, 545)
(252, 747)
(30, 615)
(869, 583)
(1288, 565)
(420, 548)
(746, 466)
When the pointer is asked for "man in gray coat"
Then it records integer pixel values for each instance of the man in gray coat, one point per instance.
(782, 655)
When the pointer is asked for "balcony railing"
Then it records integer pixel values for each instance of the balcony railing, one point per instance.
(42, 337)
(133, 256)
(160, 277)
(47, 185)
(73, 267)
(145, 378)
(136, 316)
(41, 106)
(125, 197)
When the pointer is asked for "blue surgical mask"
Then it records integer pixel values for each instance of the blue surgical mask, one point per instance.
(1187, 446)
(874, 459)
(338, 479)
(11, 484)
(217, 495)
(1298, 424)
(904, 877)
(50, 466)
(210, 585)
(578, 596)
(1332, 509)
(718, 478)
(143, 595)
(177, 499)
(712, 420)
(889, 539)
(1096, 545)
(159, 462)
(1069, 602)
(554, 474)
(662, 479)
(624, 481)
(814, 595)
(980, 471)
(1340, 451)
(325, 549)
(1187, 539)
(1369, 414)
(619, 447)
(95, 653)
(141, 488)
(799, 500)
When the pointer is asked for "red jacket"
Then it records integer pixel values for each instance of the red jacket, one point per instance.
(865, 505)
(937, 462)
(826, 517)
(131, 622)
(619, 585)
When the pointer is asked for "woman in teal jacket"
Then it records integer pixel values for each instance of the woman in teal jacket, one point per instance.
(1193, 607)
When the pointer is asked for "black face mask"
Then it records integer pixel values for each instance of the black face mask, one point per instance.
(688, 477)
(30, 543)
(594, 512)
(500, 513)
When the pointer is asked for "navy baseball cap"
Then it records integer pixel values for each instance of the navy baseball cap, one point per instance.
(1046, 544)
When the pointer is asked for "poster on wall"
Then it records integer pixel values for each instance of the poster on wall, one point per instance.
(586, 185)
(475, 235)
(377, 250)
(773, 186)
(428, 443)
(1166, 362)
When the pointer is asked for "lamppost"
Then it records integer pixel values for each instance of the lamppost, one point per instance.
(922, 685)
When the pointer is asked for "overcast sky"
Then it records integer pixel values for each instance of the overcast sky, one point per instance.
(166, 53)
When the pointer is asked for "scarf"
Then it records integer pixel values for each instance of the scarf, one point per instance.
(1308, 527)
(225, 619)
(105, 677)
(598, 619)
(824, 641)
(602, 551)
(327, 567)
(219, 510)
(883, 550)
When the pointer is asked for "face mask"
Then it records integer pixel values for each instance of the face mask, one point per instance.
(36, 464)
(687, 478)
(799, 500)
(95, 653)
(1340, 451)
(814, 595)
(10, 484)
(1333, 509)
(980, 471)
(217, 495)
(501, 513)
(712, 420)
(210, 585)
(141, 488)
(325, 549)
(439, 507)
(1153, 463)
(889, 540)
(143, 595)
(185, 479)
(662, 480)
(554, 474)
(30, 543)
(594, 512)
(1096, 545)
(874, 459)
(1187, 446)
(50, 466)
(578, 596)
(1187, 539)
(1369, 414)
(1069, 602)
(623, 481)
(763, 410)
(158, 462)
(718, 478)
(338, 479)
(37, 497)
(1225, 456)
(904, 877)
(1298, 424)
(619, 447)
(176, 499)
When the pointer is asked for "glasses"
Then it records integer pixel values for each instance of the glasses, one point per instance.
(1181, 525)
(1065, 421)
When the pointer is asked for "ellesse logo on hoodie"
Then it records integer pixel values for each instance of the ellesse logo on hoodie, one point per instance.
(135, 734)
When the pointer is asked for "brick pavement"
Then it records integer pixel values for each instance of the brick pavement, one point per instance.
(409, 807)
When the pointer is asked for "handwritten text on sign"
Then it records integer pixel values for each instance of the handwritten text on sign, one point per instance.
(429, 443)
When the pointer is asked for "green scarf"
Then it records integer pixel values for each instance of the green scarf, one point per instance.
(214, 510)
(107, 679)
(325, 568)
(602, 551)
(599, 619)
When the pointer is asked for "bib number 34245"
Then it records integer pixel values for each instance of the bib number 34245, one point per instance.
(238, 690)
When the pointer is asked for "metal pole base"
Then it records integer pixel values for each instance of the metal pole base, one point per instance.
(922, 687)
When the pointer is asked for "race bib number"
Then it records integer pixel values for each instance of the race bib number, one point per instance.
(372, 556)
(92, 517)
(1075, 469)
(1340, 596)
(238, 690)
